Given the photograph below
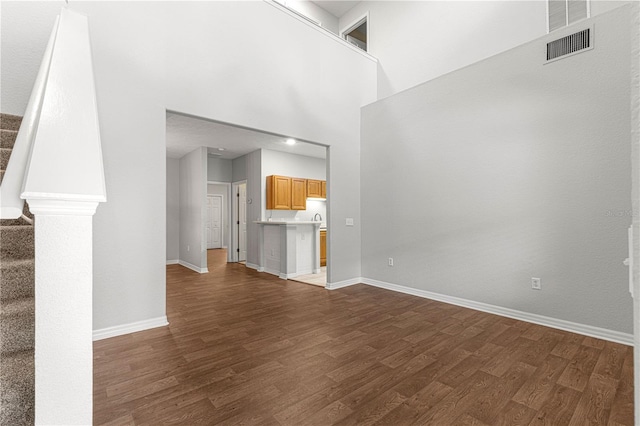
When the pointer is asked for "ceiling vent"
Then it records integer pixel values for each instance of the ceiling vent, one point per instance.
(570, 45)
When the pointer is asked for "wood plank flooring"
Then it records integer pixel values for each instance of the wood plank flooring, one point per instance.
(249, 348)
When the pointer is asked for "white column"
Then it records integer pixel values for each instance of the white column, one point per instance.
(63, 299)
(316, 249)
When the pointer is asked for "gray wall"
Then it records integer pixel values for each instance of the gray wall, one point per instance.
(219, 170)
(505, 170)
(254, 210)
(239, 169)
(173, 209)
(193, 193)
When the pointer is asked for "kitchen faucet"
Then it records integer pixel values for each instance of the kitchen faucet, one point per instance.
(317, 215)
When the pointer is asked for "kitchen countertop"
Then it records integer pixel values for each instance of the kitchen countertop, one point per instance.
(291, 222)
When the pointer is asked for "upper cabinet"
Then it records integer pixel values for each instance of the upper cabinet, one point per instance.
(298, 194)
(316, 188)
(288, 193)
(278, 193)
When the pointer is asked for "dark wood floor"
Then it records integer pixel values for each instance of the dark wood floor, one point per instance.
(248, 348)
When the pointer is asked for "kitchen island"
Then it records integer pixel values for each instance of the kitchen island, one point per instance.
(289, 249)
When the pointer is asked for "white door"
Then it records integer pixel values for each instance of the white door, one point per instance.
(214, 221)
(242, 218)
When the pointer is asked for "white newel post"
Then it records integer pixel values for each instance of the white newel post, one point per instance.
(63, 328)
(63, 184)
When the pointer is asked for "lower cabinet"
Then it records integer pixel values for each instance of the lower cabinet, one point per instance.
(323, 248)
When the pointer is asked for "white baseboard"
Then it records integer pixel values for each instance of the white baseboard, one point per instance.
(342, 284)
(118, 330)
(296, 274)
(587, 330)
(193, 267)
(252, 266)
(173, 262)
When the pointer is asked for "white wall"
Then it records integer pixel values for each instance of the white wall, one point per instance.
(315, 12)
(219, 170)
(506, 170)
(222, 190)
(173, 209)
(153, 56)
(193, 192)
(416, 41)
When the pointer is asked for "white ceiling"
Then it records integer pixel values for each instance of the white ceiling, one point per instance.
(336, 8)
(185, 133)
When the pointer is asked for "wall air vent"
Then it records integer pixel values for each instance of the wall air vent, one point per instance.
(569, 45)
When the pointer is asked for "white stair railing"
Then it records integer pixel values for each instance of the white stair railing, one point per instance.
(57, 167)
(11, 205)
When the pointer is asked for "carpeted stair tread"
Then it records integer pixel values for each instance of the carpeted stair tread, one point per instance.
(7, 138)
(17, 332)
(17, 279)
(16, 242)
(16, 307)
(17, 388)
(5, 153)
(10, 122)
(17, 303)
(14, 222)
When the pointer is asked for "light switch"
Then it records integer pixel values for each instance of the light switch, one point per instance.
(349, 221)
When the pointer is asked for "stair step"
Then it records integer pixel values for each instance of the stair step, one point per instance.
(7, 138)
(16, 242)
(14, 222)
(5, 153)
(16, 279)
(17, 388)
(17, 332)
(10, 122)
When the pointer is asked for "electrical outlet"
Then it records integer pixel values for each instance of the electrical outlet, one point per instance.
(188, 248)
(391, 261)
(536, 284)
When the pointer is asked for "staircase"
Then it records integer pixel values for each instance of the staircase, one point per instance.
(16, 303)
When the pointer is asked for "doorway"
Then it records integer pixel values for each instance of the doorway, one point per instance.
(239, 191)
(357, 33)
(214, 222)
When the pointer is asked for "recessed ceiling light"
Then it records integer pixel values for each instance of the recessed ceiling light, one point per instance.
(290, 141)
(220, 149)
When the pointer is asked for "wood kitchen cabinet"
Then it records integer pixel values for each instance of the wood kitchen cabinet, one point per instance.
(286, 193)
(278, 193)
(323, 248)
(298, 194)
(314, 188)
